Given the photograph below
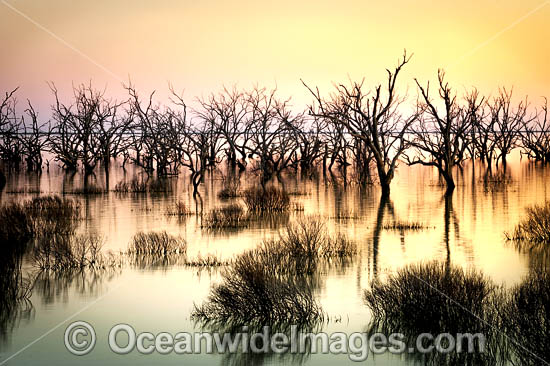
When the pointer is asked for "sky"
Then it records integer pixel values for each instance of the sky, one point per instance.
(199, 46)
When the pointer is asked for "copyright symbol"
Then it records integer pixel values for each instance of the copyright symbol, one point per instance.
(79, 338)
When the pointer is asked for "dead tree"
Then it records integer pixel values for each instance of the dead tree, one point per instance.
(310, 142)
(34, 139)
(374, 118)
(476, 112)
(271, 141)
(82, 119)
(482, 129)
(110, 136)
(155, 134)
(10, 128)
(508, 122)
(197, 143)
(440, 136)
(535, 136)
(227, 113)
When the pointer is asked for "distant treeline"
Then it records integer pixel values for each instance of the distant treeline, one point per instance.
(364, 130)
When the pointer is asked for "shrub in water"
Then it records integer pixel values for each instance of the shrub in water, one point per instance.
(269, 200)
(156, 243)
(534, 230)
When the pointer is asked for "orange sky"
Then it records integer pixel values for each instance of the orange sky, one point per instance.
(201, 45)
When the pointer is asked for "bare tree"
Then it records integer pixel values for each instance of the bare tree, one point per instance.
(10, 128)
(440, 136)
(267, 130)
(80, 127)
(199, 147)
(228, 112)
(535, 136)
(309, 137)
(374, 118)
(508, 122)
(34, 139)
(156, 133)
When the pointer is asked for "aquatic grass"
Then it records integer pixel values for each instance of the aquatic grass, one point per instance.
(274, 283)
(209, 260)
(253, 294)
(154, 242)
(60, 252)
(52, 215)
(232, 216)
(134, 186)
(297, 207)
(271, 199)
(230, 189)
(525, 314)
(137, 185)
(308, 237)
(16, 227)
(52, 206)
(345, 215)
(436, 298)
(405, 225)
(89, 189)
(534, 229)
(179, 209)
(428, 296)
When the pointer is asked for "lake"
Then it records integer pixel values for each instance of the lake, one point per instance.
(466, 229)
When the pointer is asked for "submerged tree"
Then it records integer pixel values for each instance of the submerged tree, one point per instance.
(84, 129)
(440, 137)
(229, 113)
(374, 118)
(10, 129)
(508, 122)
(34, 139)
(535, 136)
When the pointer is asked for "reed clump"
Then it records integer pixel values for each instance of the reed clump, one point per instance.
(88, 190)
(253, 294)
(230, 189)
(271, 199)
(308, 238)
(274, 284)
(156, 243)
(52, 215)
(16, 229)
(137, 185)
(525, 314)
(209, 260)
(534, 229)
(179, 209)
(66, 252)
(134, 186)
(436, 298)
(227, 217)
(404, 225)
(430, 296)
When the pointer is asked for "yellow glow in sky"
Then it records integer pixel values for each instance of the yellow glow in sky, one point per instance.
(201, 45)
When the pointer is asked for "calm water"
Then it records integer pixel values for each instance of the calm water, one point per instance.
(466, 230)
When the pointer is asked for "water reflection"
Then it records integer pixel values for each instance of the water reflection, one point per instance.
(463, 230)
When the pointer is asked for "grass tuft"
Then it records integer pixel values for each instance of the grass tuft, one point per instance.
(274, 284)
(533, 230)
(179, 209)
(271, 200)
(227, 217)
(66, 252)
(435, 298)
(156, 243)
